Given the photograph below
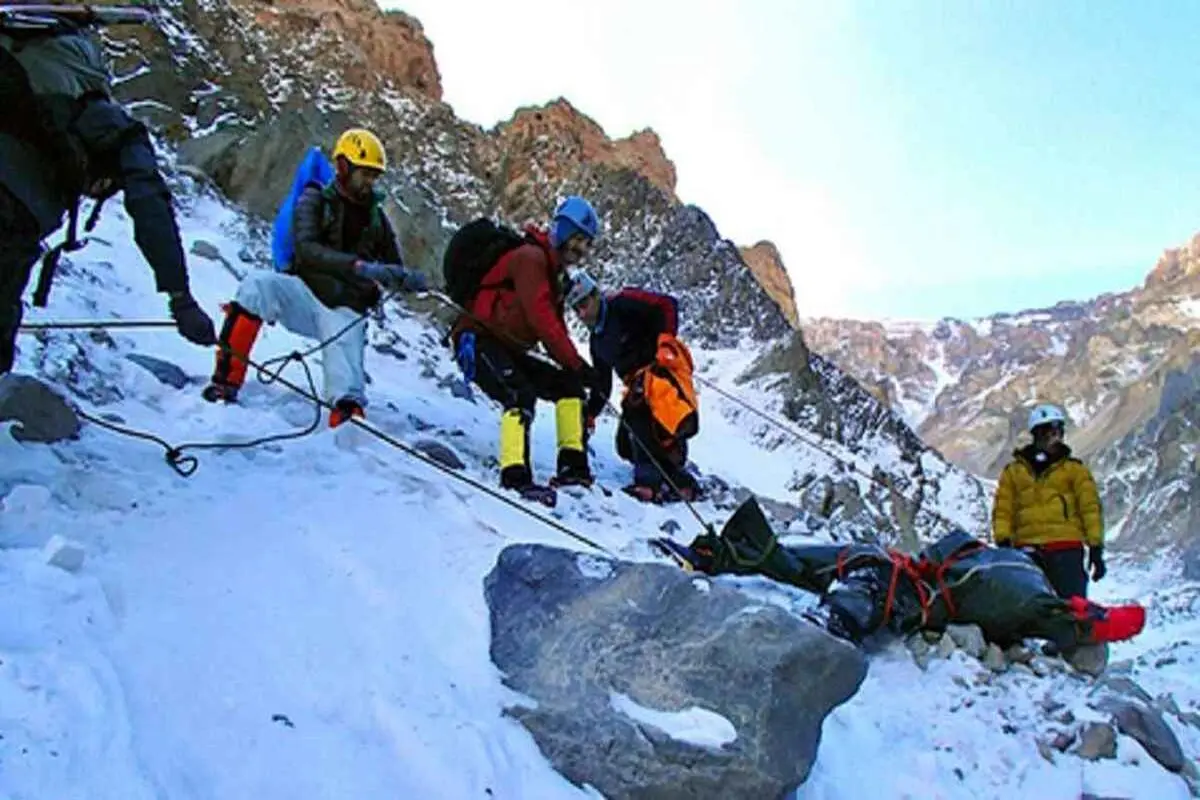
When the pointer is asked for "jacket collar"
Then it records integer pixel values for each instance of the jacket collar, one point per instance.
(542, 238)
(1038, 461)
(602, 317)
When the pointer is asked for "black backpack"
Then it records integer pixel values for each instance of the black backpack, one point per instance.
(76, 70)
(473, 250)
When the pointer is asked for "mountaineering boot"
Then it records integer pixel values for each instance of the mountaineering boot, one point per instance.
(515, 473)
(642, 492)
(686, 494)
(539, 494)
(344, 409)
(748, 533)
(573, 469)
(237, 335)
(647, 483)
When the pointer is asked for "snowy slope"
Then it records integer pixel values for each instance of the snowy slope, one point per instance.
(307, 619)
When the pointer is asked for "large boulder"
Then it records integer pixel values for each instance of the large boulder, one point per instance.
(652, 683)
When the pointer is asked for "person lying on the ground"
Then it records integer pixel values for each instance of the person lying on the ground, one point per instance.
(957, 579)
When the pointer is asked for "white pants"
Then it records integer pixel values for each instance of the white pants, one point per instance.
(282, 298)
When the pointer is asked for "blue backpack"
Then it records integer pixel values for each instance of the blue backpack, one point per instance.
(315, 168)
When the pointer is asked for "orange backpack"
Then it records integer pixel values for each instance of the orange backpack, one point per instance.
(667, 386)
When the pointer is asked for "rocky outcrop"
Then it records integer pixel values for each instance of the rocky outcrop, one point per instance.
(552, 143)
(642, 152)
(1149, 479)
(1122, 365)
(688, 688)
(766, 264)
(244, 87)
(377, 48)
(1176, 266)
(967, 387)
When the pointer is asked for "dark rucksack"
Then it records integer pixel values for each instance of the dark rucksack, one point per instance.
(472, 252)
(51, 65)
(49, 70)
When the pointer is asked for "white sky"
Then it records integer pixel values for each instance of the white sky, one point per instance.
(496, 57)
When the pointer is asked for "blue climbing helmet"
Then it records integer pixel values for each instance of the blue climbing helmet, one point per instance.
(574, 215)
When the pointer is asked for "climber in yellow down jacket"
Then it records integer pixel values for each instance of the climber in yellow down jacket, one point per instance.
(1047, 505)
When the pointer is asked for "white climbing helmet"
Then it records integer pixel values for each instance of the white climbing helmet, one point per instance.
(580, 286)
(1046, 414)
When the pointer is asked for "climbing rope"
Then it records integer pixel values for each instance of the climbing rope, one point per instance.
(708, 528)
(817, 446)
(26, 327)
(415, 453)
(637, 440)
(666, 475)
(186, 465)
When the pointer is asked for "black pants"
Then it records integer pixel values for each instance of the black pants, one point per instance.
(20, 248)
(516, 380)
(1064, 569)
(639, 441)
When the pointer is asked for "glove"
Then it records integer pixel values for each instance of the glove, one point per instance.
(586, 375)
(465, 355)
(1096, 562)
(191, 321)
(596, 395)
(381, 272)
(392, 275)
(413, 281)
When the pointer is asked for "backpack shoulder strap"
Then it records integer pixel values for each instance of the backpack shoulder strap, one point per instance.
(328, 196)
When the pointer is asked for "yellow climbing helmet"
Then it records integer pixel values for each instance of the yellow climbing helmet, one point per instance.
(362, 149)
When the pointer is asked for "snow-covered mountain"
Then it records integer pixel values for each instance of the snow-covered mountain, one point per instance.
(306, 618)
(241, 88)
(1123, 365)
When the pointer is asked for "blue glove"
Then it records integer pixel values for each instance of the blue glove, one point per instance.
(377, 271)
(465, 355)
(393, 275)
(413, 281)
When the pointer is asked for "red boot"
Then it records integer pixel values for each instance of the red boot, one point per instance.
(237, 336)
(343, 410)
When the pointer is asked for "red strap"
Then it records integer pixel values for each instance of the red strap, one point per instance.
(939, 575)
(1053, 547)
(901, 564)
